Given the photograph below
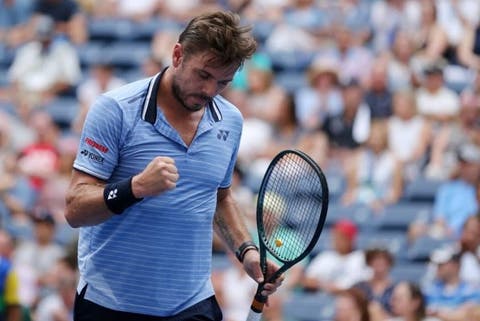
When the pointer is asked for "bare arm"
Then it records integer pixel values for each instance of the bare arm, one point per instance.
(465, 50)
(228, 222)
(85, 203)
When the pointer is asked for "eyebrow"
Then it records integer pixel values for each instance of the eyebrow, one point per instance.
(210, 75)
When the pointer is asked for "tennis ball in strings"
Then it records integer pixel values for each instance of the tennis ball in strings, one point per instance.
(278, 242)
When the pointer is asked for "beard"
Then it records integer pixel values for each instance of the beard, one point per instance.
(180, 96)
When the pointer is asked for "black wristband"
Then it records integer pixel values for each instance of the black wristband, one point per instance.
(119, 196)
(244, 248)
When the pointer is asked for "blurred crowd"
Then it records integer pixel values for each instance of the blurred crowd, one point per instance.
(383, 94)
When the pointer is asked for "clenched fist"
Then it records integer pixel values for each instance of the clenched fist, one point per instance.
(159, 176)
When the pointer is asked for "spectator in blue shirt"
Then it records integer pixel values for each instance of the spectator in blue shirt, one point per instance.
(448, 293)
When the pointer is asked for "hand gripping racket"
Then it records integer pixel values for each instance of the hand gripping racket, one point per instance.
(291, 211)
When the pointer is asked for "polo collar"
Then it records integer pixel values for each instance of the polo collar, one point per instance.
(149, 110)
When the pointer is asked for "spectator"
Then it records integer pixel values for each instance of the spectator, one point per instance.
(10, 307)
(408, 303)
(351, 305)
(58, 305)
(35, 259)
(14, 16)
(374, 176)
(347, 130)
(389, 16)
(447, 293)
(379, 287)
(400, 63)
(456, 199)
(69, 20)
(322, 98)
(378, 97)
(455, 17)
(339, 268)
(354, 61)
(430, 40)
(434, 100)
(468, 246)
(409, 135)
(43, 68)
(100, 80)
(465, 130)
(39, 160)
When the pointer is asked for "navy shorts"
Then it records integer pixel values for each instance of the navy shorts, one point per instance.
(85, 310)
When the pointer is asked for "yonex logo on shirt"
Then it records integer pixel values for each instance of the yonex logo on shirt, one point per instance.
(223, 134)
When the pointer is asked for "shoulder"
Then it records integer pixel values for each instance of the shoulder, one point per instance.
(226, 111)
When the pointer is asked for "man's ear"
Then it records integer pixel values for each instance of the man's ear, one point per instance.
(177, 55)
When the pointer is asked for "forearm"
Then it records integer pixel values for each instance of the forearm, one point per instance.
(86, 205)
(229, 223)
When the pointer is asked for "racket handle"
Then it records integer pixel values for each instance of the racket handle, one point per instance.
(256, 308)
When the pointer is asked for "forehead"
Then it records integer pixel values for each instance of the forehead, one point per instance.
(208, 62)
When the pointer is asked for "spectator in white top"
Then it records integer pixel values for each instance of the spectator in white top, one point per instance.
(101, 79)
(409, 135)
(44, 67)
(339, 268)
(434, 100)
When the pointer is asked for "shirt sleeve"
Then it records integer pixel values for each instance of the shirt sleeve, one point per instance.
(100, 139)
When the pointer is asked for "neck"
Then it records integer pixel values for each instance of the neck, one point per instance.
(169, 104)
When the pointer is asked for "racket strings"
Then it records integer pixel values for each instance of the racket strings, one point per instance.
(291, 206)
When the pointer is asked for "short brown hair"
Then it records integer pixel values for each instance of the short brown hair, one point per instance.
(372, 253)
(221, 34)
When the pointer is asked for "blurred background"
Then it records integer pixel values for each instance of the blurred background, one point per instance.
(383, 94)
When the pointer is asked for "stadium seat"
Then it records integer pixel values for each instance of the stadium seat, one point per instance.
(395, 242)
(408, 272)
(290, 60)
(107, 30)
(126, 55)
(420, 250)
(421, 190)
(358, 213)
(400, 215)
(63, 110)
(309, 307)
(291, 80)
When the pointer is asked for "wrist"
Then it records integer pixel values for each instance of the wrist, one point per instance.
(244, 248)
(136, 187)
(119, 196)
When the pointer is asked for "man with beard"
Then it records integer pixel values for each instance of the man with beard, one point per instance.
(153, 171)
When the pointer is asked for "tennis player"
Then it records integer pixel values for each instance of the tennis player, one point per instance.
(153, 171)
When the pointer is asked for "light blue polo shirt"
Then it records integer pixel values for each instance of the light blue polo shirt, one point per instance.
(155, 257)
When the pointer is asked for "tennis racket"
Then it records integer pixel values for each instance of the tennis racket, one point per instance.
(291, 211)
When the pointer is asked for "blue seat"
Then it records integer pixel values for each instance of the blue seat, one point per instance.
(290, 60)
(422, 247)
(63, 110)
(399, 216)
(91, 53)
(421, 190)
(291, 81)
(309, 307)
(358, 213)
(408, 272)
(110, 29)
(394, 241)
(126, 55)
